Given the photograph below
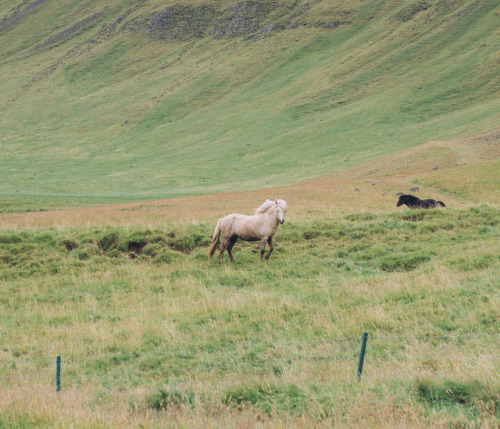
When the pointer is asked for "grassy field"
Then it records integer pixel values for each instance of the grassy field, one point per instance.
(98, 108)
(459, 172)
(142, 123)
(149, 330)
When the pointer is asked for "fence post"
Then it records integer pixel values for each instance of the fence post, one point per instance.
(362, 354)
(58, 374)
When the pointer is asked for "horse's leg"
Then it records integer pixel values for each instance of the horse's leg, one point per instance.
(271, 247)
(230, 246)
(262, 248)
(223, 247)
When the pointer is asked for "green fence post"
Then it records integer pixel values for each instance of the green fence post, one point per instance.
(58, 374)
(362, 354)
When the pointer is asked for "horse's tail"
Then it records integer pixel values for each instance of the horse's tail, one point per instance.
(215, 240)
(440, 203)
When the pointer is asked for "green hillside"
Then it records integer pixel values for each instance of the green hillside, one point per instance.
(126, 100)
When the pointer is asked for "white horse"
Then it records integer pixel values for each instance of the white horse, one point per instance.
(261, 226)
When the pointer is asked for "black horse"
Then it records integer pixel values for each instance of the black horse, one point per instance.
(416, 203)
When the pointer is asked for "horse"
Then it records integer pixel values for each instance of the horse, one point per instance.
(261, 226)
(416, 203)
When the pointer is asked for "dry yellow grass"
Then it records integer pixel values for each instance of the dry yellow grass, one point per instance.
(384, 400)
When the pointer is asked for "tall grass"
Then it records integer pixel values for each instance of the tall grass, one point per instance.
(149, 330)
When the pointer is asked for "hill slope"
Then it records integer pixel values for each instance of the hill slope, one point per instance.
(123, 101)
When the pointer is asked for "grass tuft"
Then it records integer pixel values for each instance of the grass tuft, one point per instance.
(448, 393)
(269, 398)
(170, 396)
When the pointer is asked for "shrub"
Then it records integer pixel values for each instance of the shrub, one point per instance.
(109, 241)
(187, 241)
(69, 244)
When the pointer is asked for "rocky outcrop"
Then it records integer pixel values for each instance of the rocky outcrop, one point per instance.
(181, 22)
(243, 18)
(248, 19)
(411, 10)
(19, 12)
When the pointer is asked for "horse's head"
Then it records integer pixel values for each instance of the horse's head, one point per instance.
(405, 199)
(281, 209)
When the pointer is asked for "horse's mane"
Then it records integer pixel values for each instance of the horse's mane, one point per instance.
(409, 198)
(266, 205)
